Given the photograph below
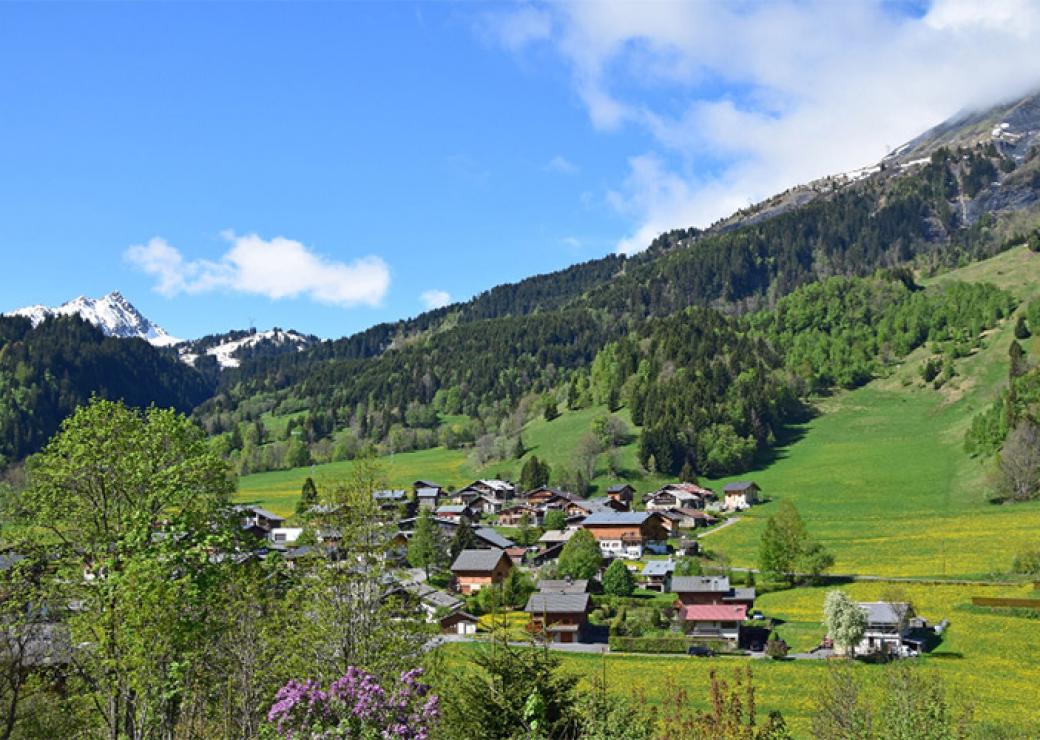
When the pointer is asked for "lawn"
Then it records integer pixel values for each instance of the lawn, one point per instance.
(989, 660)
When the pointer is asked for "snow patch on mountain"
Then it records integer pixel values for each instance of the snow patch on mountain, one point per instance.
(225, 351)
(113, 314)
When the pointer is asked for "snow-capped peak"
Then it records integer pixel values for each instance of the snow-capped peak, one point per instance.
(113, 314)
(228, 352)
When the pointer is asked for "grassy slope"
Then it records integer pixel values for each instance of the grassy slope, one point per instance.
(987, 660)
(880, 476)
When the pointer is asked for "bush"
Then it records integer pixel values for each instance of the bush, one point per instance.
(1027, 563)
(653, 644)
(775, 647)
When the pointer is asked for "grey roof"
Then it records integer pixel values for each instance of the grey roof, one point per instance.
(883, 612)
(433, 596)
(700, 584)
(492, 537)
(617, 487)
(482, 560)
(659, 568)
(264, 513)
(8, 559)
(617, 517)
(556, 603)
(741, 594)
(428, 492)
(396, 495)
(453, 509)
(563, 586)
(740, 485)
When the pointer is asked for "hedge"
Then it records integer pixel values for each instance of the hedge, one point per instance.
(670, 644)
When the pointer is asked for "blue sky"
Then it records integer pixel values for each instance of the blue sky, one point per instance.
(328, 166)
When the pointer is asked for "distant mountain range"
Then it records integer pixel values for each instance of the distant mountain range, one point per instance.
(115, 316)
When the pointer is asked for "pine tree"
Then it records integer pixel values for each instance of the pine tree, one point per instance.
(463, 539)
(308, 496)
(425, 547)
(1021, 330)
(518, 447)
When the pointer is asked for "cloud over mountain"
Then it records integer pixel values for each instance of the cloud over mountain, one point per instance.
(277, 268)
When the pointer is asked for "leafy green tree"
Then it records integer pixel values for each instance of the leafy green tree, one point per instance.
(786, 548)
(554, 519)
(580, 557)
(1027, 562)
(844, 620)
(516, 588)
(463, 539)
(425, 548)
(689, 567)
(618, 580)
(842, 710)
(526, 534)
(139, 500)
(308, 496)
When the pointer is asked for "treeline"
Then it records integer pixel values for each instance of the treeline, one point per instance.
(47, 371)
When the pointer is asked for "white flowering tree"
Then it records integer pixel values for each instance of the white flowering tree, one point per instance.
(845, 621)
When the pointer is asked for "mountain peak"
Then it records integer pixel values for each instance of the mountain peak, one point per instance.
(112, 313)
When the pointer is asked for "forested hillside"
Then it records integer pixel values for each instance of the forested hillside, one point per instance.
(46, 372)
(709, 392)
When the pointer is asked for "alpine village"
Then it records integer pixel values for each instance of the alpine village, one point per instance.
(778, 477)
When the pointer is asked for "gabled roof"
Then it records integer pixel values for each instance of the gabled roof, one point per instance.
(700, 584)
(618, 487)
(659, 568)
(563, 586)
(557, 535)
(557, 603)
(739, 486)
(618, 518)
(714, 612)
(426, 484)
(490, 536)
(453, 509)
(396, 495)
(427, 492)
(883, 612)
(260, 511)
(741, 594)
(479, 560)
(494, 484)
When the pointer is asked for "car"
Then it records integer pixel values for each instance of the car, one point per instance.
(757, 614)
(700, 651)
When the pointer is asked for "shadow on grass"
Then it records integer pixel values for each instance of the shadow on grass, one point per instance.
(790, 434)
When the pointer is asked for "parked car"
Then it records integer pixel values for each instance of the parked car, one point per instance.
(757, 614)
(700, 651)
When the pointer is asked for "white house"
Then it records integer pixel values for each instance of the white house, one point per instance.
(284, 535)
(888, 626)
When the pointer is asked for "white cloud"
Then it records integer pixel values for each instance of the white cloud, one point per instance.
(435, 298)
(276, 268)
(739, 101)
(562, 165)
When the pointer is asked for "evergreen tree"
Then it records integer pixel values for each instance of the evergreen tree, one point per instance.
(618, 580)
(551, 411)
(534, 474)
(1021, 330)
(308, 496)
(425, 548)
(463, 539)
(518, 447)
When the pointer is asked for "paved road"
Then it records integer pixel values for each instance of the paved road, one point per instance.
(728, 522)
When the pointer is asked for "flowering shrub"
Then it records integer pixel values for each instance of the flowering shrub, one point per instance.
(356, 706)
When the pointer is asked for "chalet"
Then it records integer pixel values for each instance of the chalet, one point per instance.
(710, 590)
(259, 519)
(455, 512)
(517, 554)
(671, 521)
(458, 623)
(564, 586)
(426, 484)
(893, 629)
(622, 493)
(390, 500)
(693, 518)
(712, 621)
(466, 496)
(498, 489)
(674, 498)
(487, 505)
(587, 507)
(487, 537)
(657, 575)
(511, 516)
(428, 497)
(544, 496)
(561, 617)
(556, 536)
(475, 569)
(627, 533)
(432, 600)
(740, 495)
